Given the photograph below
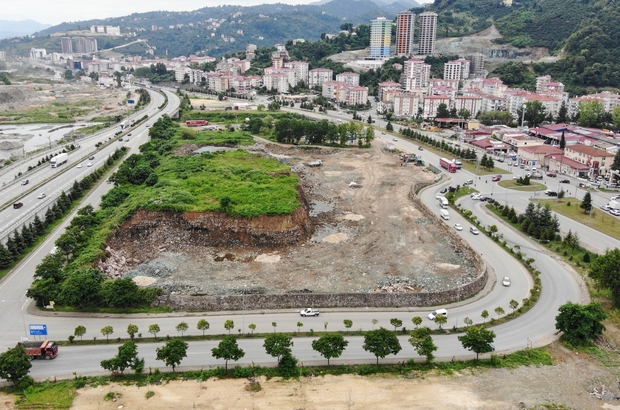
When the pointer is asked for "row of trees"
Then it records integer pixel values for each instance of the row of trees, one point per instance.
(322, 132)
(468, 154)
(537, 221)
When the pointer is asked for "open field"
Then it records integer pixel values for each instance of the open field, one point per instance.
(600, 220)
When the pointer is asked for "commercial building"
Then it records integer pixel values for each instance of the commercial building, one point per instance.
(405, 25)
(428, 33)
(380, 37)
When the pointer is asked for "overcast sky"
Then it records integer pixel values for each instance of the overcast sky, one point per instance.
(58, 11)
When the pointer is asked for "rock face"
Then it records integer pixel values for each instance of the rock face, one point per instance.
(215, 229)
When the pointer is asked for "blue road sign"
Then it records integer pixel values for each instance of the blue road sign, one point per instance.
(38, 330)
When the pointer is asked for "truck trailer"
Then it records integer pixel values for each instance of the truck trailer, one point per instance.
(59, 159)
(40, 350)
(447, 164)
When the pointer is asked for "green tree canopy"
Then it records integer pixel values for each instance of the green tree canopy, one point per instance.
(604, 270)
(581, 324)
(15, 364)
(277, 345)
(381, 342)
(422, 342)
(478, 339)
(127, 358)
(228, 349)
(330, 345)
(172, 353)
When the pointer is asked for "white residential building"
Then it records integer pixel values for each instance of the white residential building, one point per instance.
(348, 78)
(456, 69)
(319, 75)
(416, 74)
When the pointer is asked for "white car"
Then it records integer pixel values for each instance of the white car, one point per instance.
(90, 164)
(458, 227)
(605, 207)
(474, 230)
(79, 166)
(475, 195)
(394, 139)
(614, 212)
(437, 312)
(41, 195)
(506, 281)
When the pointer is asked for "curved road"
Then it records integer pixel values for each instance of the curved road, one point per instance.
(537, 327)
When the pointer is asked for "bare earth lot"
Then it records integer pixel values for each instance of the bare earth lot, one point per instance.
(364, 238)
(567, 383)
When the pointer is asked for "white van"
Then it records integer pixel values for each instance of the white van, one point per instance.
(438, 312)
(443, 202)
(444, 214)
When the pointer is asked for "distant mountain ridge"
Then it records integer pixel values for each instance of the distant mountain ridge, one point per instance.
(12, 28)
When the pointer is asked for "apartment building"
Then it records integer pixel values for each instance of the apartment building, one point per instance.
(428, 33)
(380, 37)
(387, 86)
(471, 103)
(416, 74)
(37, 53)
(85, 45)
(431, 103)
(301, 70)
(407, 104)
(318, 76)
(348, 78)
(109, 30)
(456, 69)
(277, 80)
(405, 25)
(66, 45)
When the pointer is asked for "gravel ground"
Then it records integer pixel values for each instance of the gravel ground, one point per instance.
(364, 238)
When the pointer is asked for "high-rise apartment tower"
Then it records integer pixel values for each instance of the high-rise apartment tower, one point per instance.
(428, 32)
(380, 37)
(405, 24)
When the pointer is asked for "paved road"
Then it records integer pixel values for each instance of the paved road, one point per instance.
(537, 326)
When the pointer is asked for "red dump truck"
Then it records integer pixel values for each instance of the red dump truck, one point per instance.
(40, 350)
(447, 164)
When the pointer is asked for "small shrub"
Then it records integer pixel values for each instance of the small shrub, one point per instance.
(253, 386)
(149, 394)
(568, 203)
(71, 338)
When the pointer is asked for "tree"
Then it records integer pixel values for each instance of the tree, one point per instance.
(396, 323)
(79, 331)
(228, 349)
(252, 327)
(562, 116)
(374, 322)
(274, 324)
(442, 111)
(107, 331)
(299, 326)
(229, 325)
(172, 352)
(132, 330)
(127, 358)
(485, 315)
(277, 345)
(586, 203)
(182, 327)
(468, 322)
(478, 339)
(15, 365)
(499, 311)
(604, 270)
(381, 342)
(203, 325)
(534, 113)
(514, 305)
(329, 346)
(580, 324)
(417, 321)
(422, 342)
(562, 141)
(464, 113)
(616, 164)
(571, 240)
(441, 320)
(591, 113)
(154, 329)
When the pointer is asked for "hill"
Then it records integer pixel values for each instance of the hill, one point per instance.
(11, 28)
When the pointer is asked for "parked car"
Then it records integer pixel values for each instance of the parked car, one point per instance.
(458, 227)
(605, 207)
(25, 182)
(564, 181)
(506, 281)
(474, 230)
(437, 312)
(443, 190)
(394, 139)
(17, 205)
(421, 148)
(41, 195)
(475, 195)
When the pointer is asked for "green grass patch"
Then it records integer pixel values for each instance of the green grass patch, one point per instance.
(192, 136)
(600, 220)
(52, 112)
(48, 396)
(512, 184)
(471, 167)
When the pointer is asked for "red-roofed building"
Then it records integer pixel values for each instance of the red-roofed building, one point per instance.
(563, 165)
(597, 159)
(537, 154)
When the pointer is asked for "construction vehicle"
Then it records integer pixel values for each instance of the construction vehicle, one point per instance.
(413, 158)
(40, 350)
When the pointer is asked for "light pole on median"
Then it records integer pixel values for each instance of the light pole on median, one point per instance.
(243, 302)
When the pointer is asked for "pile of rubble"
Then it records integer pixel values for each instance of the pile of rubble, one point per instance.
(397, 285)
(115, 265)
(603, 393)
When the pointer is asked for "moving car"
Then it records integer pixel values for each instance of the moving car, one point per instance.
(458, 227)
(25, 182)
(309, 312)
(17, 205)
(91, 157)
(552, 174)
(41, 195)
(421, 148)
(496, 179)
(614, 212)
(394, 139)
(474, 230)
(443, 190)
(437, 312)
(605, 207)
(476, 195)
(506, 281)
(551, 193)
(564, 181)
(90, 164)
(79, 166)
